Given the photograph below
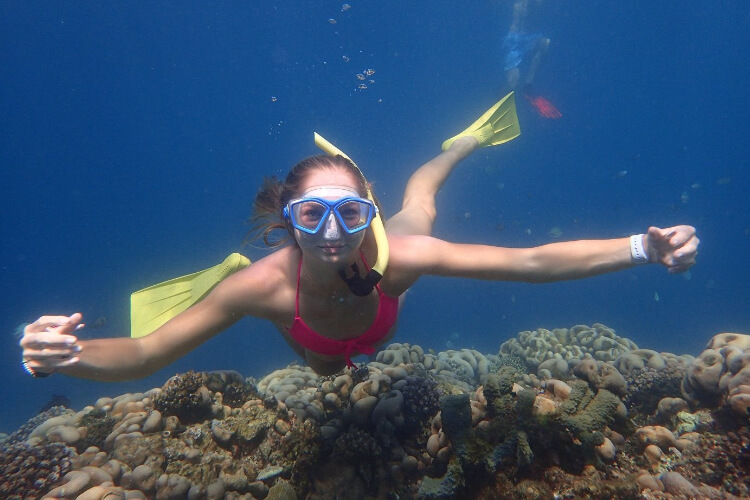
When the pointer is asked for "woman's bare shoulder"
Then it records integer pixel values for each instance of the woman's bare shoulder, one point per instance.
(264, 286)
(411, 252)
(407, 262)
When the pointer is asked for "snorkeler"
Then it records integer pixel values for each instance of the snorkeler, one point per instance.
(332, 292)
(524, 51)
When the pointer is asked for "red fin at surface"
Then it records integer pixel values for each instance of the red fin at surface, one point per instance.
(545, 108)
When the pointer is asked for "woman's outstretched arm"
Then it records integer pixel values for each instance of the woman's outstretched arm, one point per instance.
(50, 344)
(675, 248)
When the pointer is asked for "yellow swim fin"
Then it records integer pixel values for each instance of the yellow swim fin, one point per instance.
(497, 126)
(153, 306)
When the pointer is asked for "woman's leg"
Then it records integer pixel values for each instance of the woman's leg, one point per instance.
(418, 212)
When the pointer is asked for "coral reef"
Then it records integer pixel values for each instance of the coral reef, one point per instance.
(721, 374)
(421, 400)
(562, 348)
(29, 471)
(410, 424)
(601, 376)
(185, 397)
(515, 362)
(646, 387)
(22, 433)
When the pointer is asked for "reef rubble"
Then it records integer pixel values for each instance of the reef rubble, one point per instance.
(563, 413)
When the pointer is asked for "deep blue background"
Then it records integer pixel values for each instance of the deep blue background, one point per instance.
(134, 135)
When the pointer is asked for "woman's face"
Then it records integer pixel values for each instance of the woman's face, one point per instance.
(331, 243)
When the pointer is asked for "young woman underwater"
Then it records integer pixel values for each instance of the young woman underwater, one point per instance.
(320, 291)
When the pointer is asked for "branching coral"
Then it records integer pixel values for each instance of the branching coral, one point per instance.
(29, 471)
(301, 447)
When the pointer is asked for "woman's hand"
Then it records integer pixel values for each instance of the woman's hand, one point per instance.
(674, 247)
(48, 343)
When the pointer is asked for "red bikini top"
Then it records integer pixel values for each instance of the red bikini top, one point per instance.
(361, 344)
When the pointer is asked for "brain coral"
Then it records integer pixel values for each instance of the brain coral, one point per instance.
(569, 344)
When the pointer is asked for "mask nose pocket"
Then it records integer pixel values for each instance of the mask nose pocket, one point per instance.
(331, 228)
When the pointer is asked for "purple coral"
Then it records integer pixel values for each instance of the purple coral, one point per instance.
(421, 399)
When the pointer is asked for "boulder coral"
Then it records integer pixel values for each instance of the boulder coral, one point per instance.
(470, 365)
(601, 376)
(398, 354)
(638, 359)
(656, 435)
(721, 374)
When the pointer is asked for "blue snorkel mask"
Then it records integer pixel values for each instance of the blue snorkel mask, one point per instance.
(310, 214)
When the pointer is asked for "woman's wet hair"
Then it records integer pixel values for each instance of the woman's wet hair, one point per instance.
(267, 216)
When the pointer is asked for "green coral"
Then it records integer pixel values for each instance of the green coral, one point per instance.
(581, 421)
(516, 436)
(585, 412)
(455, 411)
(499, 384)
(446, 486)
(506, 435)
(501, 402)
(685, 422)
(524, 454)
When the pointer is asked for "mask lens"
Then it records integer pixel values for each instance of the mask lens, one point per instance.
(309, 215)
(354, 214)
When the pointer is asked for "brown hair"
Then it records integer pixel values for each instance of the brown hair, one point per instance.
(273, 196)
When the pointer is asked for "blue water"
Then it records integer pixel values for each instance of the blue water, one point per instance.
(134, 136)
